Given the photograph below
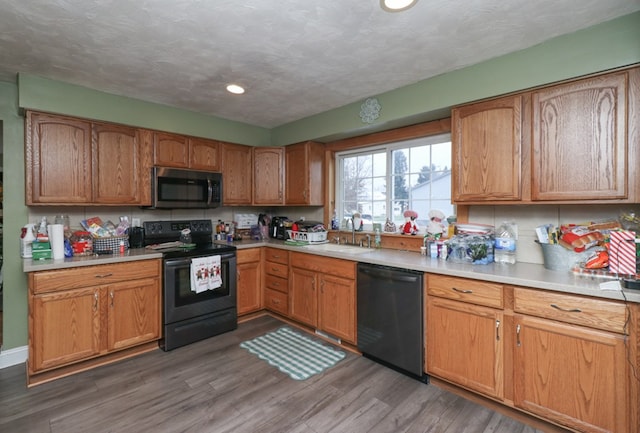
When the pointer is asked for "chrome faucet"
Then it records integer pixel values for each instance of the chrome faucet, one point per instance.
(353, 230)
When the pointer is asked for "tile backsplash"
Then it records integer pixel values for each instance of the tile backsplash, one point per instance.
(528, 217)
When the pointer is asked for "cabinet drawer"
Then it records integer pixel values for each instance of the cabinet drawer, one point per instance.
(248, 256)
(325, 265)
(73, 278)
(591, 312)
(276, 255)
(276, 301)
(276, 269)
(462, 289)
(276, 283)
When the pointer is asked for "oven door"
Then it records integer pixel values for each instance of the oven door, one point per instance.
(180, 303)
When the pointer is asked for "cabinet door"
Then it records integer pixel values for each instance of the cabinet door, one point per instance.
(337, 307)
(249, 287)
(64, 327)
(580, 140)
(268, 172)
(487, 150)
(204, 154)
(116, 152)
(237, 174)
(572, 375)
(171, 150)
(133, 313)
(304, 165)
(303, 298)
(58, 160)
(465, 345)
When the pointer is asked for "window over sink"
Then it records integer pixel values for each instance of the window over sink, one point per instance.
(381, 182)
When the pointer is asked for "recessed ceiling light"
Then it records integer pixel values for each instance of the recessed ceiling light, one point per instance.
(396, 5)
(235, 89)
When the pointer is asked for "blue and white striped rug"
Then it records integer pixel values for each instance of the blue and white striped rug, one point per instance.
(292, 353)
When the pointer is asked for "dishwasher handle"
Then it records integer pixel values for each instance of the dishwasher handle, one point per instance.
(389, 274)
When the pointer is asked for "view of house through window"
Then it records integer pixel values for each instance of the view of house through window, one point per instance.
(382, 182)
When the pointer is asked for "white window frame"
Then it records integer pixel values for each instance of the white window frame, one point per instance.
(387, 148)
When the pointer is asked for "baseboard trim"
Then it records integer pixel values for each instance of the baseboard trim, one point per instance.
(14, 356)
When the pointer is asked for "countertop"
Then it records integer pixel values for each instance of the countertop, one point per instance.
(519, 274)
(132, 254)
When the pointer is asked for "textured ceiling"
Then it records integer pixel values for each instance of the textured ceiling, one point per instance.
(295, 57)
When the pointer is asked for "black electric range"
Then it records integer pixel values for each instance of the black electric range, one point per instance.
(190, 315)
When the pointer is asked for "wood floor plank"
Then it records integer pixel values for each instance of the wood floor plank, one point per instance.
(216, 386)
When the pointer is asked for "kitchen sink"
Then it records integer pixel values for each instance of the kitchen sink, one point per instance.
(339, 249)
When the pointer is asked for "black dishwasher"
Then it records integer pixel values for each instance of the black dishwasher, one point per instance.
(390, 318)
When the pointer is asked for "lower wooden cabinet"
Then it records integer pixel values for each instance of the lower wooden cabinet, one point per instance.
(249, 280)
(575, 375)
(322, 294)
(464, 333)
(561, 357)
(276, 280)
(465, 345)
(78, 315)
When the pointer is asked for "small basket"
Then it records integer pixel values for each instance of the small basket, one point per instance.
(112, 244)
(310, 237)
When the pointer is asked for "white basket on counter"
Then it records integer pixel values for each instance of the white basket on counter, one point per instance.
(310, 237)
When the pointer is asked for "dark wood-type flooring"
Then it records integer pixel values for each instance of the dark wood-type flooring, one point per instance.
(216, 386)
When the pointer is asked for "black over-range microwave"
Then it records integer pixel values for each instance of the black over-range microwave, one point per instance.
(174, 188)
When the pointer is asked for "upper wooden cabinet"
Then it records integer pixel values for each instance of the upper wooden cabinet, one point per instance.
(73, 161)
(487, 150)
(173, 150)
(304, 168)
(580, 140)
(58, 160)
(237, 174)
(567, 143)
(117, 165)
(268, 175)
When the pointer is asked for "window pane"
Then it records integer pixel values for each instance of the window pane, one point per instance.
(419, 179)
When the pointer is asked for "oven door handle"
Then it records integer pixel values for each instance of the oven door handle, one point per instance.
(186, 261)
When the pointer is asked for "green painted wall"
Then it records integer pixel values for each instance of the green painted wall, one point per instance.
(42, 94)
(14, 217)
(609, 45)
(612, 44)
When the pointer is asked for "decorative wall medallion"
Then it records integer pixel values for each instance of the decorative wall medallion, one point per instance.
(370, 110)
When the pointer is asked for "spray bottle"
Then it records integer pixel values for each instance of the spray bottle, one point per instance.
(26, 239)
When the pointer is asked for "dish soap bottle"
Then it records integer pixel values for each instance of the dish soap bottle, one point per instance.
(505, 243)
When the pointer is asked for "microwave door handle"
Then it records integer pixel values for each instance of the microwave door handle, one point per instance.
(209, 192)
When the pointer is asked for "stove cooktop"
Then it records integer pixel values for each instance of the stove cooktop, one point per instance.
(160, 232)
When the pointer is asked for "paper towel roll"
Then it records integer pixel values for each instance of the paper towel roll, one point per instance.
(56, 238)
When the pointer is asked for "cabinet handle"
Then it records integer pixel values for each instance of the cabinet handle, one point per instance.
(275, 301)
(313, 285)
(497, 330)
(518, 335)
(275, 283)
(322, 286)
(95, 301)
(104, 275)
(567, 310)
(111, 296)
(461, 291)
